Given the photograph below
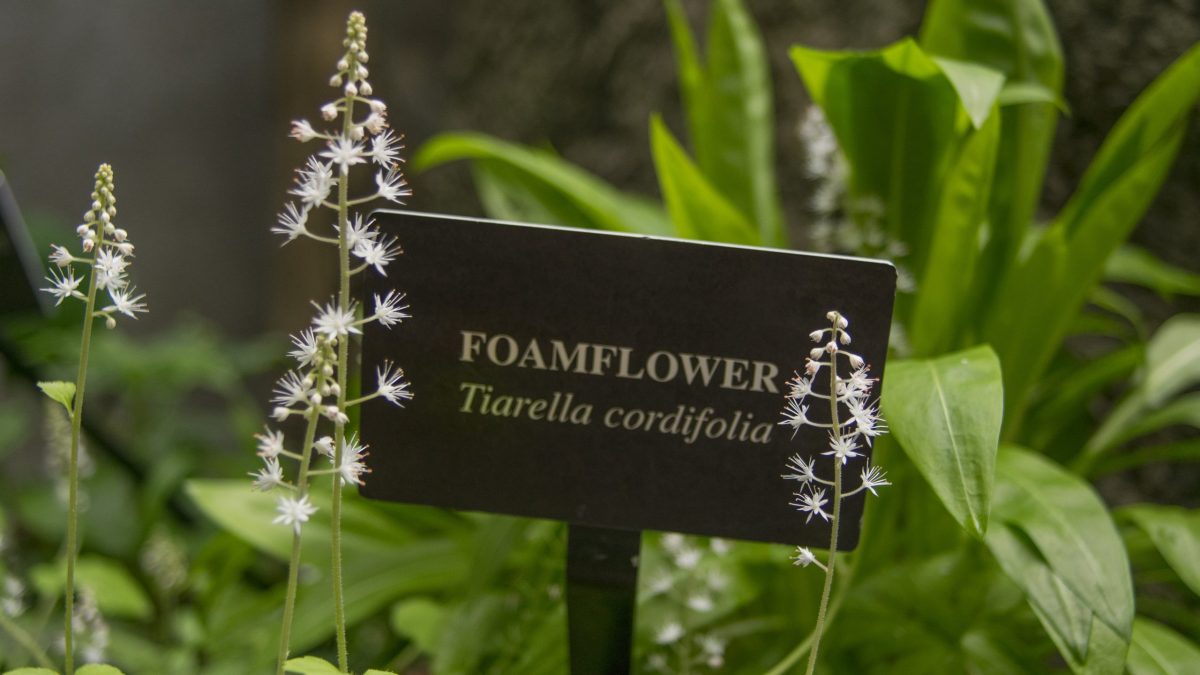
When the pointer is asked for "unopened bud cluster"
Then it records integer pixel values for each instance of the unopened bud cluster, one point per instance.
(834, 395)
(107, 251)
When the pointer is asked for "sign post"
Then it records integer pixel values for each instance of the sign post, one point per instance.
(618, 383)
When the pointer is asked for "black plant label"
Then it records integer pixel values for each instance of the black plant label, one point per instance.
(604, 379)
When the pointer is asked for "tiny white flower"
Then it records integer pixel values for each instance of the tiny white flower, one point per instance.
(269, 477)
(360, 229)
(391, 186)
(795, 415)
(673, 542)
(719, 546)
(324, 445)
(799, 387)
(125, 302)
(345, 152)
(669, 633)
(335, 414)
(60, 255)
(700, 603)
(802, 469)
(291, 223)
(332, 322)
(812, 503)
(873, 477)
(842, 447)
(377, 252)
(866, 419)
(352, 467)
(314, 182)
(687, 558)
(392, 385)
(390, 309)
(303, 131)
(65, 285)
(329, 111)
(661, 583)
(305, 352)
(291, 390)
(385, 149)
(270, 444)
(294, 512)
(803, 557)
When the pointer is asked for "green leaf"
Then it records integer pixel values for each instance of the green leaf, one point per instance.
(1132, 265)
(1172, 365)
(63, 392)
(117, 592)
(1016, 38)
(1158, 650)
(97, 669)
(420, 620)
(1046, 288)
(1175, 532)
(946, 414)
(900, 158)
(697, 209)
(575, 197)
(31, 671)
(729, 112)
(942, 308)
(310, 665)
(1054, 538)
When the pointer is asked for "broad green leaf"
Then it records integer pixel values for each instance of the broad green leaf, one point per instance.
(1132, 265)
(729, 112)
(420, 620)
(1175, 532)
(1016, 38)
(1174, 451)
(575, 197)
(310, 665)
(31, 671)
(697, 209)
(117, 592)
(1158, 650)
(946, 414)
(978, 87)
(97, 669)
(900, 158)
(1172, 365)
(1044, 289)
(63, 392)
(942, 307)
(1053, 536)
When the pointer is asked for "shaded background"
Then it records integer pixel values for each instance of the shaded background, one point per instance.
(190, 102)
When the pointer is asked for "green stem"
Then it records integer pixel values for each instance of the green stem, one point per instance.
(289, 603)
(23, 638)
(339, 603)
(798, 652)
(837, 509)
(85, 345)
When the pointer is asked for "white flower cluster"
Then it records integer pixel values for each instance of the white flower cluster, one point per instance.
(90, 628)
(844, 409)
(107, 252)
(691, 583)
(312, 390)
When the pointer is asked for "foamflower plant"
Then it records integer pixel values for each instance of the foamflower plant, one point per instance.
(833, 394)
(105, 253)
(317, 389)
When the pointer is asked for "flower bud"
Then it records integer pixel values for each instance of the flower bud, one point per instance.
(366, 89)
(110, 322)
(335, 81)
(329, 112)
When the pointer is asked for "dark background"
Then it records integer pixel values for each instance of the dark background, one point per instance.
(190, 102)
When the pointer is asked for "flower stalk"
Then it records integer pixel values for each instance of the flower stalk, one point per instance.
(108, 249)
(853, 419)
(320, 387)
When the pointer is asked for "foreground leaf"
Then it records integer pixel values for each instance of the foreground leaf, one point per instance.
(946, 415)
(310, 665)
(1158, 650)
(1132, 265)
(63, 392)
(117, 592)
(1054, 538)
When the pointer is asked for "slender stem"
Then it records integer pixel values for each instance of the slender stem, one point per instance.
(837, 512)
(339, 604)
(289, 603)
(23, 638)
(85, 344)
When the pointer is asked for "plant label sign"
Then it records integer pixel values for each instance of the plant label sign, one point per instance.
(607, 380)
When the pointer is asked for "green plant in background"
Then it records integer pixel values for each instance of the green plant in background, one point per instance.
(320, 384)
(994, 551)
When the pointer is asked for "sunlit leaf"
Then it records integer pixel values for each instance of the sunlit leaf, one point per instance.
(63, 392)
(1158, 650)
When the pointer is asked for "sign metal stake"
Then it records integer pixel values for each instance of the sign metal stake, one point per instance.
(602, 569)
